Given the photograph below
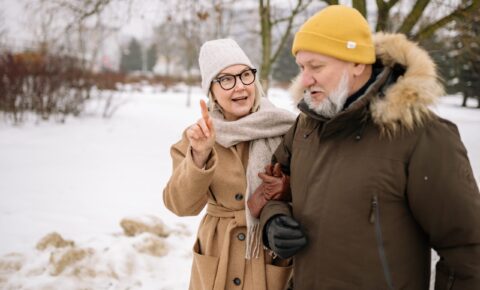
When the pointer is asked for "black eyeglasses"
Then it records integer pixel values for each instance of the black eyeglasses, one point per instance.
(228, 81)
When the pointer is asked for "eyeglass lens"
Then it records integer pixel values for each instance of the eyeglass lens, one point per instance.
(228, 82)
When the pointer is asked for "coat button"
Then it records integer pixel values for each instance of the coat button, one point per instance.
(237, 281)
(241, 236)
(238, 196)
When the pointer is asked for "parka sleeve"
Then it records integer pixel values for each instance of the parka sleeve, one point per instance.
(186, 193)
(444, 199)
(283, 153)
(283, 156)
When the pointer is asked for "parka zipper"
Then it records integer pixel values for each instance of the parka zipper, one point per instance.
(372, 210)
(375, 219)
(451, 279)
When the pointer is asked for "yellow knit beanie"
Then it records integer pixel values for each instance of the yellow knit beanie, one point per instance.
(337, 31)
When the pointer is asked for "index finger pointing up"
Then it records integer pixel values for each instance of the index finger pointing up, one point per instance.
(204, 108)
(205, 115)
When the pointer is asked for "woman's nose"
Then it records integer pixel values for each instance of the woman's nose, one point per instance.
(238, 84)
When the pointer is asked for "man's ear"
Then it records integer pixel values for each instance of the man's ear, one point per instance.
(358, 69)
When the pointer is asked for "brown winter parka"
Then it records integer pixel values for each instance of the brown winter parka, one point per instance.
(380, 184)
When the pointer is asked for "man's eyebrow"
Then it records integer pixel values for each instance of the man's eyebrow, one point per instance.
(316, 62)
(311, 62)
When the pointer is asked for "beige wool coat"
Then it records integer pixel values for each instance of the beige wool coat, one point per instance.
(219, 252)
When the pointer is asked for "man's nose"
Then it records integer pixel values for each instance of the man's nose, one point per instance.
(307, 79)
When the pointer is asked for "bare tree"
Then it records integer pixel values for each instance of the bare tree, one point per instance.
(189, 15)
(465, 60)
(422, 19)
(459, 11)
(383, 13)
(267, 22)
(80, 10)
(224, 17)
(167, 45)
(188, 24)
(3, 30)
(78, 26)
(193, 22)
(418, 19)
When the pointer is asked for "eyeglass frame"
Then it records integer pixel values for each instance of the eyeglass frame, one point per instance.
(239, 75)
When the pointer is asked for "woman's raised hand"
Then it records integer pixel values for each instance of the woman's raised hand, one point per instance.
(202, 137)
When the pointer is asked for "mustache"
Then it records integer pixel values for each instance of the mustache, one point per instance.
(308, 93)
(318, 90)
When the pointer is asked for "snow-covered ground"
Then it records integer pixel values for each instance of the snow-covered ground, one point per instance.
(80, 179)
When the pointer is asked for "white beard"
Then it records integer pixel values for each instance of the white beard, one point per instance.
(334, 102)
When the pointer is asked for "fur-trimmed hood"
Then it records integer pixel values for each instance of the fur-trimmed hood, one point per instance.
(405, 102)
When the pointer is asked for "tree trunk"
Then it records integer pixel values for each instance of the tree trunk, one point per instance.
(382, 16)
(360, 5)
(270, 55)
(383, 10)
(266, 34)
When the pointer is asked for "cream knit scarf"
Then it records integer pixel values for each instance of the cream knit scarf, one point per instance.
(264, 129)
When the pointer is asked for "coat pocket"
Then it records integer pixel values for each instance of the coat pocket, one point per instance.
(204, 270)
(375, 220)
(277, 276)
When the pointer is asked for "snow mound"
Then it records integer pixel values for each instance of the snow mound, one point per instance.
(151, 245)
(68, 259)
(146, 224)
(53, 240)
(115, 261)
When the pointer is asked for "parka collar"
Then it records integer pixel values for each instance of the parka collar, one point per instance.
(404, 103)
(354, 117)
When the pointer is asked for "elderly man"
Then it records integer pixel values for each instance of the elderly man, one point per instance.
(377, 179)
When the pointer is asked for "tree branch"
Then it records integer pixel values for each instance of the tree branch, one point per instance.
(428, 30)
(82, 11)
(299, 8)
(383, 9)
(413, 16)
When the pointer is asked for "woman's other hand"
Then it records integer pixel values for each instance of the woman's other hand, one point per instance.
(276, 185)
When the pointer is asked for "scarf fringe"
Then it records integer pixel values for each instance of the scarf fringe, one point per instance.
(254, 244)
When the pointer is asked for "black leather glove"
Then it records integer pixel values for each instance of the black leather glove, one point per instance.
(283, 235)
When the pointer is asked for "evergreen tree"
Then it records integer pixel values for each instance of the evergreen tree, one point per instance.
(131, 59)
(440, 48)
(285, 68)
(467, 57)
(151, 57)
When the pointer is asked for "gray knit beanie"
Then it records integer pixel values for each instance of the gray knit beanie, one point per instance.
(216, 55)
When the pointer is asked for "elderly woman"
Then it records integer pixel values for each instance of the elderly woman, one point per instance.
(216, 164)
